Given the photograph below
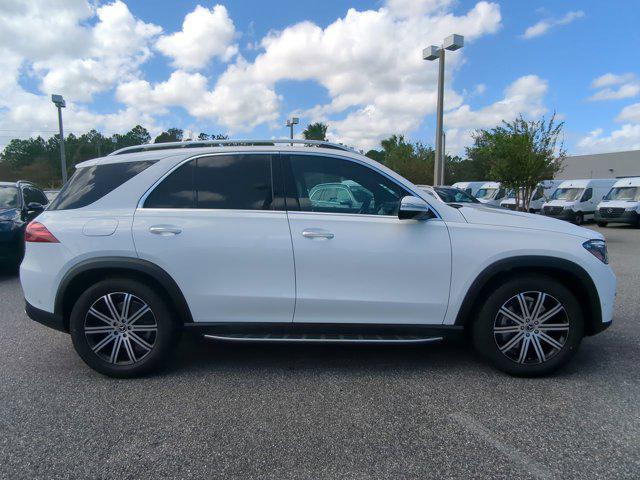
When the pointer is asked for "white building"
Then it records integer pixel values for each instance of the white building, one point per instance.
(601, 165)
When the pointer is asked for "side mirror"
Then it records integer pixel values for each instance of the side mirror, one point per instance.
(35, 207)
(414, 208)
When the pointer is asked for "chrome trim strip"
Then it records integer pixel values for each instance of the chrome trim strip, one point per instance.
(381, 341)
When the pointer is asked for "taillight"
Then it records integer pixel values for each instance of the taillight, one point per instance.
(37, 232)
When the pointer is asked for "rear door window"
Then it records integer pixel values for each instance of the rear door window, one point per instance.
(219, 182)
(89, 184)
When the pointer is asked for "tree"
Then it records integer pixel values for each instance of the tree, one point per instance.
(414, 161)
(171, 135)
(521, 154)
(138, 135)
(316, 131)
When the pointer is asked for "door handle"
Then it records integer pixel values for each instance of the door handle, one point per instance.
(165, 230)
(317, 233)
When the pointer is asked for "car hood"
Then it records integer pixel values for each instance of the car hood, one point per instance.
(617, 204)
(509, 218)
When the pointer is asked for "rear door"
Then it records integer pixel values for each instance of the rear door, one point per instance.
(214, 224)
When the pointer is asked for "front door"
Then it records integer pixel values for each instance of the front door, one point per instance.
(356, 262)
(214, 226)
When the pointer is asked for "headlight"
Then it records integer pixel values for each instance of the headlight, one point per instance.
(567, 207)
(597, 248)
(630, 209)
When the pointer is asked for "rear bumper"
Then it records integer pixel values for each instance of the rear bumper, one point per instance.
(626, 217)
(48, 319)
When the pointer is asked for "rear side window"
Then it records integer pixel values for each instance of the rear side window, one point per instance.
(222, 182)
(89, 184)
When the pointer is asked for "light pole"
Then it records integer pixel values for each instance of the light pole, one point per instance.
(60, 103)
(452, 42)
(290, 123)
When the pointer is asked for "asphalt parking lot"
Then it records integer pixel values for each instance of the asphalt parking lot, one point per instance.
(249, 411)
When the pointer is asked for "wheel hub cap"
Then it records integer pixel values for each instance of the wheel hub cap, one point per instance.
(531, 327)
(120, 328)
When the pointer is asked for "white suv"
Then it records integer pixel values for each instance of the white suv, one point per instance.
(224, 239)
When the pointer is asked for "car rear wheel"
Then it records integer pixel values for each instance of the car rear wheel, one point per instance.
(602, 224)
(529, 326)
(122, 328)
(579, 220)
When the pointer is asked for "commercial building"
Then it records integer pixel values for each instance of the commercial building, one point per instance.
(601, 165)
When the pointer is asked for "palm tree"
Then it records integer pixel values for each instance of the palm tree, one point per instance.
(316, 131)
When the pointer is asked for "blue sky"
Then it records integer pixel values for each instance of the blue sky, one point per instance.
(243, 67)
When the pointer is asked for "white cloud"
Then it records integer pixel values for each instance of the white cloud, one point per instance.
(615, 87)
(416, 7)
(524, 96)
(115, 48)
(205, 34)
(627, 137)
(630, 113)
(543, 26)
(369, 62)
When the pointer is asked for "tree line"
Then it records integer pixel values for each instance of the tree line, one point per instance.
(519, 153)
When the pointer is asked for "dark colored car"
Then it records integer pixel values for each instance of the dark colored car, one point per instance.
(20, 202)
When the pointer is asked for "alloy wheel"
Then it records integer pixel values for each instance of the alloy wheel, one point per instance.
(120, 328)
(531, 327)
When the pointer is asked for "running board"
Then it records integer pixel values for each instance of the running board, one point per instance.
(324, 338)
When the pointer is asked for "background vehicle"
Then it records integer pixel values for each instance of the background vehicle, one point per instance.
(491, 193)
(51, 194)
(346, 195)
(225, 241)
(450, 195)
(540, 195)
(470, 187)
(20, 202)
(621, 204)
(576, 200)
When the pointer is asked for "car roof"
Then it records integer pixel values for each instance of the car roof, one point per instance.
(587, 182)
(628, 182)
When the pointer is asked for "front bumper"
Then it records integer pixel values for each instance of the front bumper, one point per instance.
(602, 215)
(563, 214)
(48, 319)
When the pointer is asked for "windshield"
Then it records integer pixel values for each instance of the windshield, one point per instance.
(569, 194)
(454, 195)
(630, 194)
(487, 193)
(8, 197)
(511, 193)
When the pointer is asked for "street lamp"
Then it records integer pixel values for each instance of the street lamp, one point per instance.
(60, 103)
(452, 42)
(290, 123)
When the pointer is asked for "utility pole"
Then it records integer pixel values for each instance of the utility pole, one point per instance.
(452, 42)
(60, 104)
(290, 123)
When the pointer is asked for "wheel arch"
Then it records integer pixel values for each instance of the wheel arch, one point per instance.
(569, 273)
(93, 270)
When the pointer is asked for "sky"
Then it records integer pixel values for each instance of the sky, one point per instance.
(243, 67)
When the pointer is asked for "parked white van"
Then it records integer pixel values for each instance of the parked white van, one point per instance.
(540, 195)
(470, 187)
(576, 200)
(622, 204)
(491, 193)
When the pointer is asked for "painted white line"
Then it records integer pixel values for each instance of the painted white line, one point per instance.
(528, 464)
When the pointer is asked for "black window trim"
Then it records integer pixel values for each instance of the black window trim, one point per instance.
(284, 156)
(274, 157)
(281, 157)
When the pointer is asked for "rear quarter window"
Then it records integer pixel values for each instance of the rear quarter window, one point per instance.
(89, 184)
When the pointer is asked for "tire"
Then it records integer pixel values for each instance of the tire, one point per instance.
(602, 224)
(124, 344)
(495, 345)
(579, 220)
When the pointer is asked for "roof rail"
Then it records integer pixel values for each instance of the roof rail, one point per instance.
(234, 143)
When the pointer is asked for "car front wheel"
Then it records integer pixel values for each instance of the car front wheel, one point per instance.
(122, 328)
(529, 326)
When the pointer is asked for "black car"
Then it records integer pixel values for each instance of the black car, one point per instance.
(20, 202)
